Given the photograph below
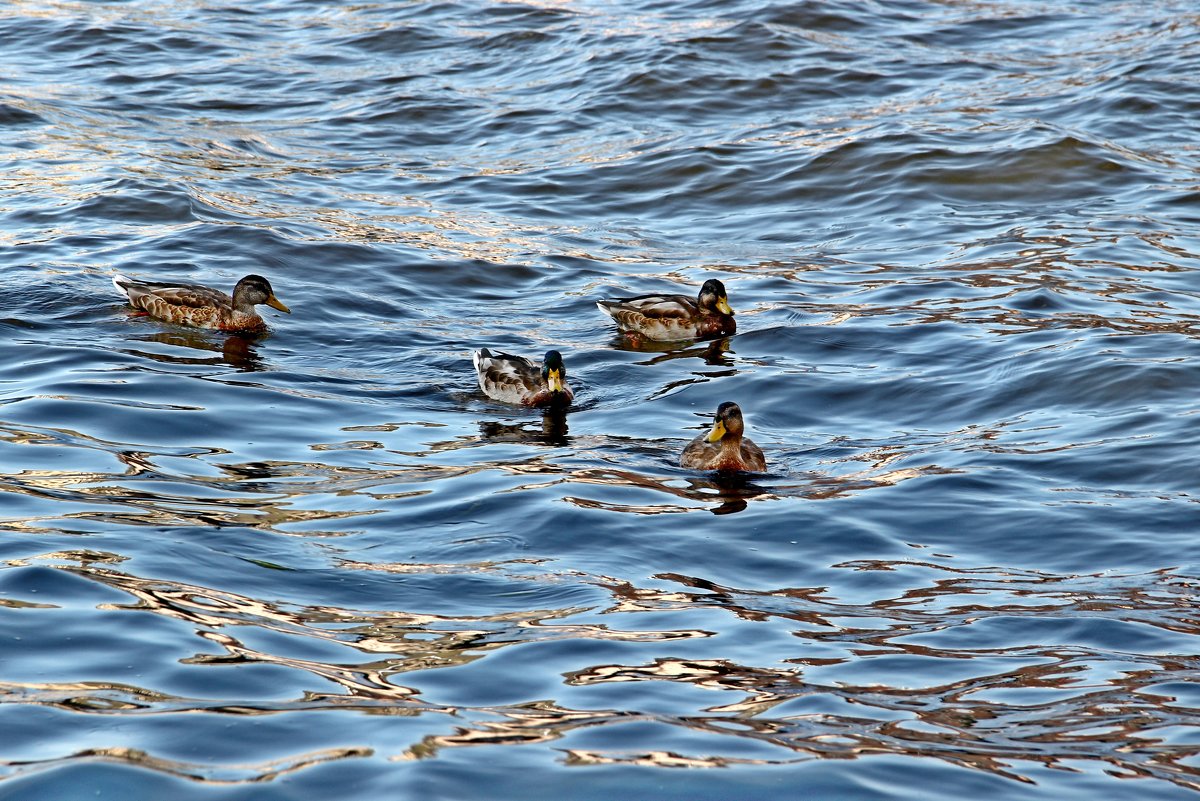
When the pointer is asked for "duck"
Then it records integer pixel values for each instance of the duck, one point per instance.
(202, 306)
(671, 317)
(724, 447)
(517, 380)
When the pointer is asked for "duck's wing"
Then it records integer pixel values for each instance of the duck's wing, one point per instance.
(699, 454)
(662, 317)
(192, 296)
(753, 457)
(195, 296)
(652, 307)
(508, 378)
(186, 304)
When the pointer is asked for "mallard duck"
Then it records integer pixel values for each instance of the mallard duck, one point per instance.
(667, 317)
(724, 447)
(515, 379)
(201, 306)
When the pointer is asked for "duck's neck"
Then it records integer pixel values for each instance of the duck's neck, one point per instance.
(731, 445)
(243, 307)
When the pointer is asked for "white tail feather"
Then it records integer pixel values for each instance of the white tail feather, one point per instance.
(117, 279)
(478, 356)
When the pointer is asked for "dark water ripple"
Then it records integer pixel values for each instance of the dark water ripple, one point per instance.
(962, 240)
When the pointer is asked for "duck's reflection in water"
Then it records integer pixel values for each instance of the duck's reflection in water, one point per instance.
(729, 492)
(237, 350)
(732, 489)
(553, 430)
(713, 352)
(726, 493)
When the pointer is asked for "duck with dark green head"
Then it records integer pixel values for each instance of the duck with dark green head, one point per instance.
(202, 306)
(515, 379)
(724, 446)
(672, 317)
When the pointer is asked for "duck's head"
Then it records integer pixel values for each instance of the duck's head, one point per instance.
(728, 423)
(554, 371)
(713, 298)
(253, 290)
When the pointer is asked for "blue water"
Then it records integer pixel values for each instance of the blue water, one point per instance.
(963, 242)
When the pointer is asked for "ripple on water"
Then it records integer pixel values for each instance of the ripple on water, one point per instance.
(318, 561)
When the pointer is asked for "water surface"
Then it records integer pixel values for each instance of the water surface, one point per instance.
(962, 240)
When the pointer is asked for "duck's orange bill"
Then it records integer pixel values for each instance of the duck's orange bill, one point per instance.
(275, 303)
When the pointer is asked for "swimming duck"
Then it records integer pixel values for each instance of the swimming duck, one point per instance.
(667, 317)
(201, 306)
(724, 447)
(515, 379)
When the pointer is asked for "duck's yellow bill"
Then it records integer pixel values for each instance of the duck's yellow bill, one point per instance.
(554, 379)
(717, 433)
(723, 305)
(275, 303)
